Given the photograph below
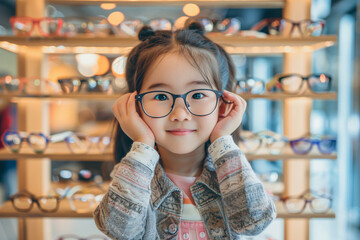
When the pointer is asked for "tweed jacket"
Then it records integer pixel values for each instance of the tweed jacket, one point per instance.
(143, 203)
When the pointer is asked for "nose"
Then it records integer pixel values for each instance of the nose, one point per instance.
(180, 112)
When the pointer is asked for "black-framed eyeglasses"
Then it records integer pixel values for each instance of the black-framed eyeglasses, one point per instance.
(199, 102)
(24, 201)
(293, 83)
(280, 26)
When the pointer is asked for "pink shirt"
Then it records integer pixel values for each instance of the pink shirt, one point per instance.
(192, 226)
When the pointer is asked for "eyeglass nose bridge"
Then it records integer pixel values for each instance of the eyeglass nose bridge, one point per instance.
(183, 96)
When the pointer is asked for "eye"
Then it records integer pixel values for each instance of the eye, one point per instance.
(198, 95)
(161, 97)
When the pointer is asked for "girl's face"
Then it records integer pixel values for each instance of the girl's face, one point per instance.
(180, 132)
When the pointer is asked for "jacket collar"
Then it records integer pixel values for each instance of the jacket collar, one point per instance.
(162, 186)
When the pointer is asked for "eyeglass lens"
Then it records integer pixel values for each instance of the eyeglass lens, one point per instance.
(78, 143)
(198, 102)
(82, 202)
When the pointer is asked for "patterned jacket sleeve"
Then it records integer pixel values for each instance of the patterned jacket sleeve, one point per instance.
(122, 212)
(248, 207)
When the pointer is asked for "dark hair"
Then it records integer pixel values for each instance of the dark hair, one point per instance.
(191, 42)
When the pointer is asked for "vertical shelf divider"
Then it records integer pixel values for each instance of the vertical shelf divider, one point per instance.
(33, 116)
(296, 117)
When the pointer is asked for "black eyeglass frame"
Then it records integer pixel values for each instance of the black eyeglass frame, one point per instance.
(34, 199)
(294, 24)
(139, 97)
(304, 78)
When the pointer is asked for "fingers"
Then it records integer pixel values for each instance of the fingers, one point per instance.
(131, 104)
(122, 107)
(239, 104)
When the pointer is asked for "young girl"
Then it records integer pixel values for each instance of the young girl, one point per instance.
(181, 175)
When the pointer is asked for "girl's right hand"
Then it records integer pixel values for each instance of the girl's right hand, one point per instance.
(130, 121)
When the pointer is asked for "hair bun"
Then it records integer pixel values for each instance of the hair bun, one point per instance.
(145, 33)
(193, 24)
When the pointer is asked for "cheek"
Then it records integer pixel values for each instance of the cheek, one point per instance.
(208, 123)
(153, 123)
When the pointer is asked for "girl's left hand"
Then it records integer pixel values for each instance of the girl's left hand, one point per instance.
(230, 115)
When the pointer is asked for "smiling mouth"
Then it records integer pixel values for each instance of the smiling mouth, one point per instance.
(180, 132)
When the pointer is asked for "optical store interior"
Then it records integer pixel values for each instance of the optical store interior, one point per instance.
(62, 66)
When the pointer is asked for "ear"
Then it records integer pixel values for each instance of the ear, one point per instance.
(224, 109)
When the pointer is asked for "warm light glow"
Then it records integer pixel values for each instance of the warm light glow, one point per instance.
(103, 65)
(87, 64)
(118, 66)
(180, 22)
(323, 78)
(10, 46)
(108, 6)
(191, 9)
(287, 49)
(115, 18)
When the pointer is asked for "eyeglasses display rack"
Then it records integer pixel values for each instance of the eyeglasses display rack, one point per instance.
(33, 170)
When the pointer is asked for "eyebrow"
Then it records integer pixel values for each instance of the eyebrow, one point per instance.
(162, 85)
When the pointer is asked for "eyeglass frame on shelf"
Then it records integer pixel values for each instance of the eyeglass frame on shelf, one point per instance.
(91, 139)
(263, 137)
(267, 22)
(37, 21)
(276, 80)
(308, 200)
(58, 137)
(34, 199)
(249, 88)
(313, 142)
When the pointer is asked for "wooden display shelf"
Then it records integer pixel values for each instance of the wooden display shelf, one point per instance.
(246, 96)
(217, 3)
(64, 211)
(7, 211)
(122, 45)
(87, 96)
(289, 154)
(307, 213)
(60, 152)
(281, 96)
(57, 151)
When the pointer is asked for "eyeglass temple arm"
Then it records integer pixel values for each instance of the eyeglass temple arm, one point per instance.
(59, 137)
(274, 81)
(227, 102)
(261, 24)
